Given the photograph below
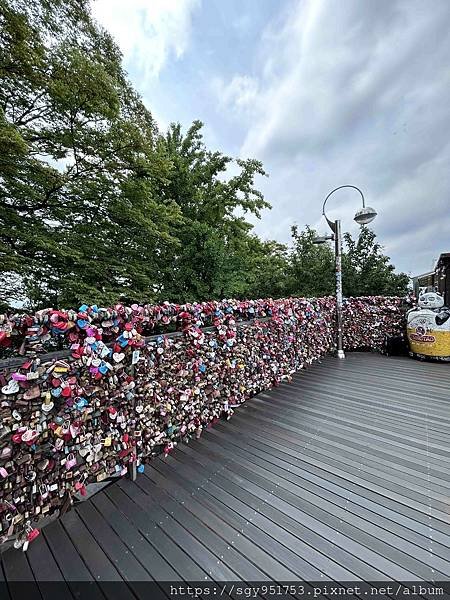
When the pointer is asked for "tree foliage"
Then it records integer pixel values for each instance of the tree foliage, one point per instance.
(210, 262)
(82, 163)
(366, 271)
(311, 265)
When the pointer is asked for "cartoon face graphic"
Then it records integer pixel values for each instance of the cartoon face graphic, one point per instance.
(431, 300)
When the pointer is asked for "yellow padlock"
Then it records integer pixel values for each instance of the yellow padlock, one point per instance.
(107, 441)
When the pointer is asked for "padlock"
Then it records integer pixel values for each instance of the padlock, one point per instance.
(32, 533)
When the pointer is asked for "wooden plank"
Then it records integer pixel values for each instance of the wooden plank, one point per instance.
(244, 482)
(313, 462)
(78, 577)
(365, 406)
(378, 454)
(87, 547)
(371, 538)
(389, 520)
(180, 560)
(158, 568)
(403, 495)
(321, 479)
(182, 536)
(4, 591)
(125, 563)
(348, 425)
(296, 436)
(46, 572)
(227, 542)
(129, 568)
(291, 534)
(358, 396)
(270, 539)
(102, 569)
(19, 576)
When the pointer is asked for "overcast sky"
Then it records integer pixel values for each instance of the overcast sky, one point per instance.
(324, 92)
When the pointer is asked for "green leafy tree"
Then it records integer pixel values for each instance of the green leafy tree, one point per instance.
(311, 266)
(96, 204)
(82, 166)
(367, 271)
(212, 259)
(266, 268)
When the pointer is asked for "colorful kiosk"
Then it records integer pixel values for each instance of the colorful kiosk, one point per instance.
(428, 328)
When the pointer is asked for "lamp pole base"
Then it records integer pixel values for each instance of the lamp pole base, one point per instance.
(340, 354)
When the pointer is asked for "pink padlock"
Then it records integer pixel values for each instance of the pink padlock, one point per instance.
(19, 377)
(71, 461)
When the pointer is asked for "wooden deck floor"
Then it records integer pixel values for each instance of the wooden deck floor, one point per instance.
(342, 475)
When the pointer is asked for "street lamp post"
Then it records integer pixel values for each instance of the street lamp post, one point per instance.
(363, 216)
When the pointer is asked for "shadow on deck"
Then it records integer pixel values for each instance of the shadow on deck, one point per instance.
(342, 475)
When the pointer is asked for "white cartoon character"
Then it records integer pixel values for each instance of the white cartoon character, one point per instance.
(431, 300)
(428, 328)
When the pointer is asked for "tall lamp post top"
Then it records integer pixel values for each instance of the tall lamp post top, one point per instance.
(363, 216)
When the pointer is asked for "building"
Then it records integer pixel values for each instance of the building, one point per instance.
(437, 280)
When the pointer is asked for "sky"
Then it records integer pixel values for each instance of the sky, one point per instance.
(324, 92)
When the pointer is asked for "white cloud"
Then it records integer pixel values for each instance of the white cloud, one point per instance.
(239, 94)
(357, 92)
(148, 32)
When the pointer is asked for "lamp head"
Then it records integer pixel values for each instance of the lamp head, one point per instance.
(365, 215)
(322, 239)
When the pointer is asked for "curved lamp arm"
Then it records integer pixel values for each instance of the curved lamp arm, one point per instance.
(330, 223)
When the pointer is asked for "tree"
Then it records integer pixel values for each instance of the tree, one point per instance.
(97, 205)
(311, 271)
(82, 165)
(212, 258)
(367, 271)
(267, 269)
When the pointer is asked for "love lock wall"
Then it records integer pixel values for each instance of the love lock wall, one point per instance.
(111, 397)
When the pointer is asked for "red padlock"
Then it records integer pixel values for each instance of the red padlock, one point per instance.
(80, 487)
(32, 534)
